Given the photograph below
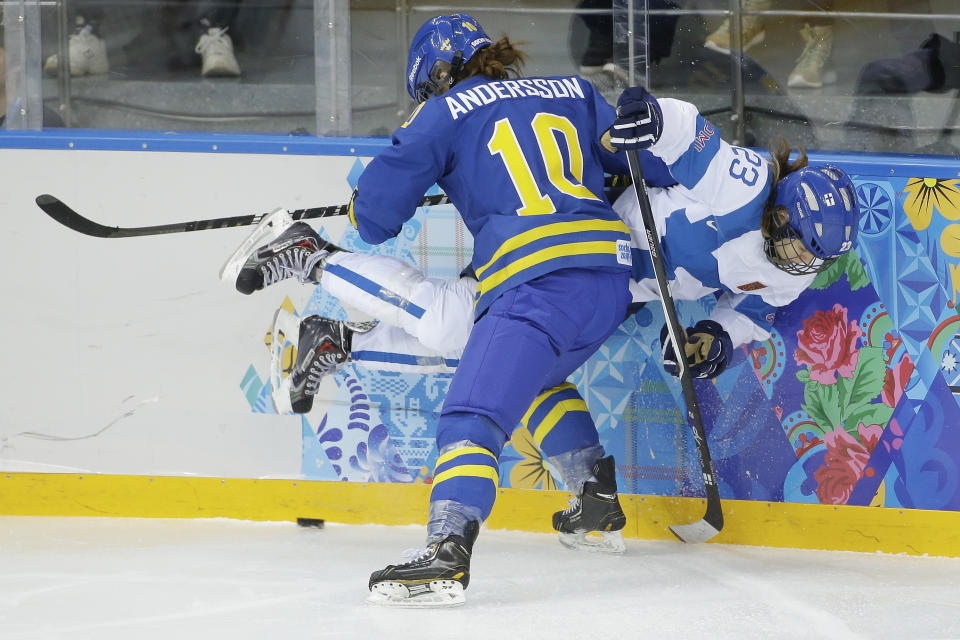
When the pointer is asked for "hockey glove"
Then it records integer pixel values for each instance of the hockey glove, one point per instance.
(639, 122)
(709, 348)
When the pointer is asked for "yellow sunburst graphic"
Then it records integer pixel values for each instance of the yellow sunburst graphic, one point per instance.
(289, 355)
(924, 195)
(531, 472)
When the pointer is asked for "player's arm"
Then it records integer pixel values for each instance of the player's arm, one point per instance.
(745, 317)
(737, 319)
(720, 175)
(614, 162)
(392, 185)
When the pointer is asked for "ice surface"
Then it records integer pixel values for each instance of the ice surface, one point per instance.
(99, 578)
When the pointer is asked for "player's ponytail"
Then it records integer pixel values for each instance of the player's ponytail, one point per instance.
(780, 167)
(499, 61)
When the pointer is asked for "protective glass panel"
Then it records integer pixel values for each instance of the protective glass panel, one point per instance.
(828, 74)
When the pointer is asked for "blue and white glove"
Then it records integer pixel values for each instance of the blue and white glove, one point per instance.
(639, 122)
(709, 348)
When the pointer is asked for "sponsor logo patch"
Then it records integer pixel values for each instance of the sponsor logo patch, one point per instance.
(623, 253)
(751, 286)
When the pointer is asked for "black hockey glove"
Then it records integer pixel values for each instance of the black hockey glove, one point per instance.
(709, 348)
(639, 122)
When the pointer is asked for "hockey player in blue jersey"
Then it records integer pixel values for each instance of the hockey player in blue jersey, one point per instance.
(723, 190)
(521, 160)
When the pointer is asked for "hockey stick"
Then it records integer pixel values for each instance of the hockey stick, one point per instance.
(56, 209)
(712, 522)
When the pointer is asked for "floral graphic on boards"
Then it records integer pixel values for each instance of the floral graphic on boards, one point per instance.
(845, 462)
(531, 472)
(924, 195)
(827, 344)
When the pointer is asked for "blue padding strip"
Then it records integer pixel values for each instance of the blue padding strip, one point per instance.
(374, 289)
(194, 142)
(403, 358)
(856, 163)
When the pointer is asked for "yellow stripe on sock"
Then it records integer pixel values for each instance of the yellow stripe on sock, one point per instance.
(525, 420)
(463, 451)
(468, 470)
(560, 410)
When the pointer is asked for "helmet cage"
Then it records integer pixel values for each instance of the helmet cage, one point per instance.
(815, 208)
(780, 248)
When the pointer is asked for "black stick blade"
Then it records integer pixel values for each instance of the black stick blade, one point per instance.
(66, 216)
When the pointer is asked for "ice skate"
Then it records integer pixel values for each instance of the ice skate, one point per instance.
(322, 348)
(594, 520)
(433, 577)
(284, 249)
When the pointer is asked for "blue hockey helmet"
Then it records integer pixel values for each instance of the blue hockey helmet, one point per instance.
(821, 211)
(439, 50)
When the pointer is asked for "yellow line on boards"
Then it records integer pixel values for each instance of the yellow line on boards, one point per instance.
(774, 524)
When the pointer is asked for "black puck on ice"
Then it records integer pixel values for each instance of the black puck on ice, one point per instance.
(310, 522)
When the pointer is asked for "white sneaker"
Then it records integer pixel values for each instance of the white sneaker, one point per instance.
(752, 30)
(216, 48)
(813, 68)
(88, 55)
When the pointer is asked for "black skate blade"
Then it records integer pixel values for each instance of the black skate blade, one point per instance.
(695, 532)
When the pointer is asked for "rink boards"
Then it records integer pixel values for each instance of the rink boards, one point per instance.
(136, 382)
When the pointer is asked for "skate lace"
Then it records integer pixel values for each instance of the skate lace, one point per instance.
(322, 365)
(296, 261)
(317, 372)
(574, 505)
(410, 556)
(214, 37)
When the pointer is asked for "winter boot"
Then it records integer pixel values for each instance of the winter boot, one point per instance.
(433, 577)
(813, 68)
(752, 29)
(594, 520)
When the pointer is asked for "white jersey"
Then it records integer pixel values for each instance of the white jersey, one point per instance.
(709, 226)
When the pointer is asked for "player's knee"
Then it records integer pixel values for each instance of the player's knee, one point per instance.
(479, 429)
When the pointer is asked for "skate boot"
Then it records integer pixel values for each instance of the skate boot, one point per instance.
(323, 347)
(284, 249)
(594, 520)
(434, 577)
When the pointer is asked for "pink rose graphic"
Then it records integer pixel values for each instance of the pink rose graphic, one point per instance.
(845, 462)
(828, 345)
(895, 381)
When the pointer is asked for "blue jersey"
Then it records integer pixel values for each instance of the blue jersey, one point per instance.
(521, 160)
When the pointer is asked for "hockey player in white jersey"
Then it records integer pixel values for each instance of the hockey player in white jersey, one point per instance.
(756, 231)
